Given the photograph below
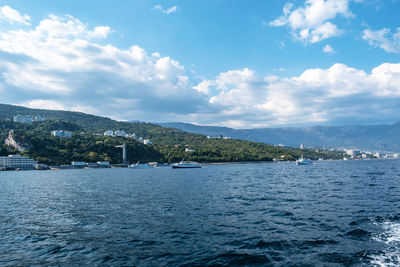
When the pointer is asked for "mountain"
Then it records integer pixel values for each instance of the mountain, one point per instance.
(376, 137)
(89, 144)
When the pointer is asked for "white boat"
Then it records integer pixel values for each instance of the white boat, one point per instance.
(185, 164)
(139, 165)
(303, 161)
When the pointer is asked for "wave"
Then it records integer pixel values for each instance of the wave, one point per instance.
(390, 236)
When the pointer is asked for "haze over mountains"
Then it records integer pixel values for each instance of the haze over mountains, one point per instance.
(376, 137)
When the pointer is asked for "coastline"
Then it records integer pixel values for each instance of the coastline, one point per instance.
(118, 166)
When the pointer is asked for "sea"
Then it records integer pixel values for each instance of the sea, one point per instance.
(331, 213)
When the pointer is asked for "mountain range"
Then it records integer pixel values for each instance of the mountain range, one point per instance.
(375, 137)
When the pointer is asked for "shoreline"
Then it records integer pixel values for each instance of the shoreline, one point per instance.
(117, 166)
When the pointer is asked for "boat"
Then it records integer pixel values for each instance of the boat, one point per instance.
(185, 165)
(303, 161)
(139, 165)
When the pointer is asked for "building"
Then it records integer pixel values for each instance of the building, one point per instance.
(39, 118)
(132, 136)
(23, 119)
(61, 133)
(109, 133)
(28, 118)
(91, 165)
(353, 153)
(120, 133)
(17, 161)
(146, 142)
(78, 163)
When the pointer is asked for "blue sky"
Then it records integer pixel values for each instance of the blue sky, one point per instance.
(241, 64)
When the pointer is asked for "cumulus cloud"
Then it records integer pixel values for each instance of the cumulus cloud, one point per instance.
(339, 94)
(167, 11)
(390, 42)
(311, 23)
(45, 103)
(328, 49)
(58, 64)
(13, 16)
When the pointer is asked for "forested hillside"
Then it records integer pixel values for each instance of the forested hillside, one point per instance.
(88, 143)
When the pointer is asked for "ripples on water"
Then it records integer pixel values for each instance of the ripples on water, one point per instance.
(327, 214)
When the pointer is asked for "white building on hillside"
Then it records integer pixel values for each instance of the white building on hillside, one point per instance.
(109, 133)
(39, 118)
(120, 133)
(147, 142)
(17, 161)
(28, 118)
(23, 119)
(61, 133)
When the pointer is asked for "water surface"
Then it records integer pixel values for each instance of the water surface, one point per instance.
(328, 214)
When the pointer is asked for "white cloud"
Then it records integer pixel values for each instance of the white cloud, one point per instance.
(279, 69)
(167, 11)
(339, 94)
(204, 87)
(384, 39)
(101, 32)
(59, 64)
(13, 16)
(44, 104)
(328, 49)
(312, 22)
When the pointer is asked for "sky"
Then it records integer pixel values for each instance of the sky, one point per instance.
(240, 64)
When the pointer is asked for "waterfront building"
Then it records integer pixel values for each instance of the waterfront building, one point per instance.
(352, 152)
(78, 163)
(103, 163)
(61, 133)
(17, 161)
(91, 165)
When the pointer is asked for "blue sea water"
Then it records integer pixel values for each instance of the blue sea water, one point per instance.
(337, 213)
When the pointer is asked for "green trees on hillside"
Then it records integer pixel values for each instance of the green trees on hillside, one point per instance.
(169, 145)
